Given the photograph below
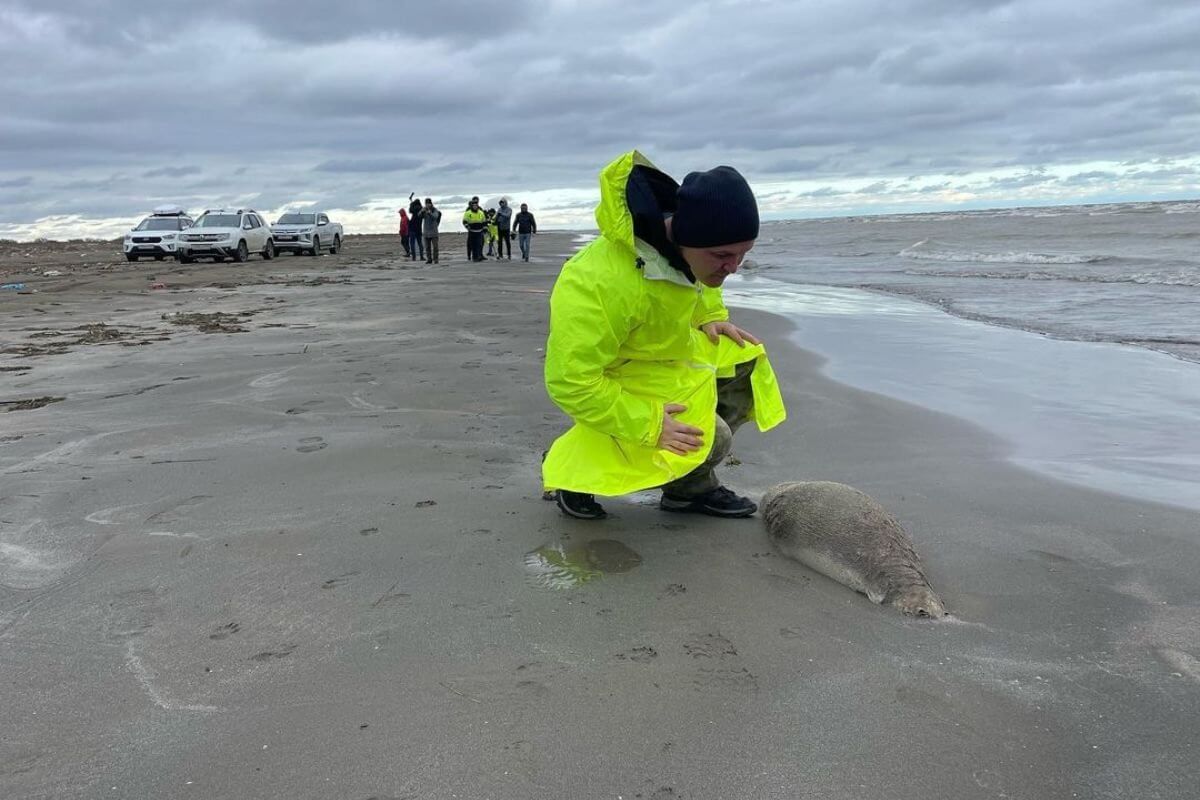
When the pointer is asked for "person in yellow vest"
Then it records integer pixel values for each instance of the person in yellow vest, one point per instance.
(491, 231)
(474, 220)
(641, 353)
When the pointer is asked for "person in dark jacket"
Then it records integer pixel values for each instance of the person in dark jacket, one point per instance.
(415, 248)
(430, 219)
(503, 230)
(525, 226)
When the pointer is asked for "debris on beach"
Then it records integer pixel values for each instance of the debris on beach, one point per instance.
(63, 340)
(216, 322)
(321, 281)
(99, 332)
(30, 404)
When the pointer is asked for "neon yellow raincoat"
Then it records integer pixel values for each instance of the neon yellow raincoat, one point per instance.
(625, 341)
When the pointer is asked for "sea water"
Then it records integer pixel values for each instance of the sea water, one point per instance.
(1071, 333)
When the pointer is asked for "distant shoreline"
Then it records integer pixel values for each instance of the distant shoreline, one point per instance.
(767, 216)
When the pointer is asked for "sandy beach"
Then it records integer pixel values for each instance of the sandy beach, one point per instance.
(275, 530)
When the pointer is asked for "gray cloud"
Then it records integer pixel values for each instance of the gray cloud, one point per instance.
(368, 165)
(791, 166)
(171, 172)
(109, 104)
(1094, 176)
(452, 168)
(119, 22)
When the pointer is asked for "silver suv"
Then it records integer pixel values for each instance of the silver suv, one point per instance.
(155, 236)
(221, 233)
(307, 232)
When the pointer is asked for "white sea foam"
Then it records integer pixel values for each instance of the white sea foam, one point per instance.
(1175, 278)
(920, 252)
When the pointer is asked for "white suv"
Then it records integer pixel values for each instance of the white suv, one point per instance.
(156, 236)
(220, 234)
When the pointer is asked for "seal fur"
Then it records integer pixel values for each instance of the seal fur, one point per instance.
(844, 534)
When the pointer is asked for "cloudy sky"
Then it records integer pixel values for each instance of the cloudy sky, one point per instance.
(854, 106)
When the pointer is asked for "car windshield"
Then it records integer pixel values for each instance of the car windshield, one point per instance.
(298, 219)
(159, 224)
(218, 221)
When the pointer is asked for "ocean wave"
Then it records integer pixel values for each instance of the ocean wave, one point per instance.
(1183, 348)
(1145, 279)
(916, 253)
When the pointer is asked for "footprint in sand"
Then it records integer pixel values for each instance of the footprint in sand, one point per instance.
(303, 408)
(272, 655)
(225, 631)
(333, 583)
(709, 645)
(723, 670)
(311, 444)
(640, 655)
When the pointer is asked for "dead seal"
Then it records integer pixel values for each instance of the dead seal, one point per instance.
(844, 534)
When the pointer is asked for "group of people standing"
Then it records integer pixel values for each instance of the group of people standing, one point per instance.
(496, 226)
(419, 230)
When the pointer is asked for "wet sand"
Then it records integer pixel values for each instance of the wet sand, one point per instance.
(308, 557)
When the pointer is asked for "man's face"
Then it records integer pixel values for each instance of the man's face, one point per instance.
(712, 265)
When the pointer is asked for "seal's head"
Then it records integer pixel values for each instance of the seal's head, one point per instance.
(919, 601)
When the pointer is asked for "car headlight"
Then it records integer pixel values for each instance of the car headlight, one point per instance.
(168, 237)
(128, 236)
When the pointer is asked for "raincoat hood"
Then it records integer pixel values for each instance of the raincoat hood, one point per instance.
(635, 199)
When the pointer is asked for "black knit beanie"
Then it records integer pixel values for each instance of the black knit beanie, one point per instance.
(714, 208)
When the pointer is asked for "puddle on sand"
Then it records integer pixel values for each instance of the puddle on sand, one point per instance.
(557, 566)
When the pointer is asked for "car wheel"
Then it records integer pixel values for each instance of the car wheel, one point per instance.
(130, 258)
(158, 258)
(185, 259)
(316, 248)
(242, 253)
(337, 245)
(269, 251)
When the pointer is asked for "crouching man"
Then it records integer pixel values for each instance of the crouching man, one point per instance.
(641, 353)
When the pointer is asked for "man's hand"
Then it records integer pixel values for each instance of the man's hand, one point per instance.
(677, 437)
(726, 328)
